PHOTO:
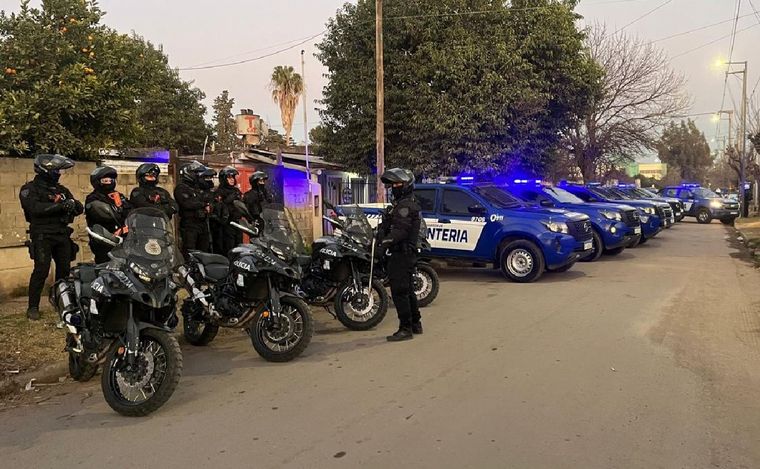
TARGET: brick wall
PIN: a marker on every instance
(15, 265)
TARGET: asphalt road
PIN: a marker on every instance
(649, 359)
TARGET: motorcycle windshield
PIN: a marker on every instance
(356, 225)
(280, 230)
(149, 246)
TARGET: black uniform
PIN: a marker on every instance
(227, 237)
(110, 215)
(400, 236)
(194, 206)
(48, 208)
(256, 199)
(154, 197)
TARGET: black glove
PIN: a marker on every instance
(70, 205)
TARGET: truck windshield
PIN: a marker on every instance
(703, 193)
(604, 193)
(562, 196)
(497, 197)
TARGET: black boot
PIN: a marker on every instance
(417, 328)
(33, 313)
(402, 334)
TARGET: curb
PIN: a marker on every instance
(48, 374)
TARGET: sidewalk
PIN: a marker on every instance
(29, 349)
(749, 232)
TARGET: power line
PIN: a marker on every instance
(701, 28)
(711, 42)
(239, 62)
(730, 55)
(644, 15)
(757, 15)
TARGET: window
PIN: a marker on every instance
(670, 192)
(457, 202)
(686, 194)
(426, 199)
(584, 196)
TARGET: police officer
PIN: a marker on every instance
(258, 196)
(48, 208)
(399, 236)
(227, 237)
(148, 194)
(194, 207)
(105, 206)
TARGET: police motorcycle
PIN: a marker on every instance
(120, 314)
(425, 279)
(250, 290)
(338, 272)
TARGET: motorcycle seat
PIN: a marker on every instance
(304, 260)
(208, 259)
(216, 272)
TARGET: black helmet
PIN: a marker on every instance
(51, 166)
(146, 169)
(206, 178)
(256, 177)
(100, 173)
(227, 172)
(394, 176)
(191, 172)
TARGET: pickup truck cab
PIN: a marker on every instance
(483, 223)
(651, 224)
(614, 226)
(644, 194)
(704, 204)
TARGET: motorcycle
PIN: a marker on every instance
(250, 290)
(425, 280)
(121, 315)
(338, 271)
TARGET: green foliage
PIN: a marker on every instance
(684, 148)
(462, 91)
(72, 85)
(224, 122)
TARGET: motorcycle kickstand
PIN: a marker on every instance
(330, 312)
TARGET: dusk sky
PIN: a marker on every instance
(200, 32)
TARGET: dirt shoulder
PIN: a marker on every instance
(27, 345)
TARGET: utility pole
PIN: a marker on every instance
(743, 136)
(380, 119)
(305, 121)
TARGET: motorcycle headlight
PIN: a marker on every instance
(141, 273)
(556, 227)
(611, 215)
(278, 252)
(716, 204)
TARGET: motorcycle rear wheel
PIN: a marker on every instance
(426, 284)
(160, 355)
(290, 339)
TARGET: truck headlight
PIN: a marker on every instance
(556, 227)
(647, 210)
(611, 215)
(716, 204)
(644, 218)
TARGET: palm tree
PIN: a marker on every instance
(287, 88)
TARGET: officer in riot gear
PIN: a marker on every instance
(107, 207)
(399, 236)
(258, 196)
(227, 237)
(49, 208)
(194, 206)
(148, 194)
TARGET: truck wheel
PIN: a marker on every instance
(521, 261)
(703, 216)
(597, 249)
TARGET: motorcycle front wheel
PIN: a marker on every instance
(363, 310)
(143, 387)
(287, 338)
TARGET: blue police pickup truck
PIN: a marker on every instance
(644, 194)
(483, 223)
(650, 213)
(704, 204)
(614, 226)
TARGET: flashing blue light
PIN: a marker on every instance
(691, 184)
(627, 186)
(528, 181)
(467, 178)
(594, 184)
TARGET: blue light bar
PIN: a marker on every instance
(691, 184)
(594, 184)
(528, 181)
